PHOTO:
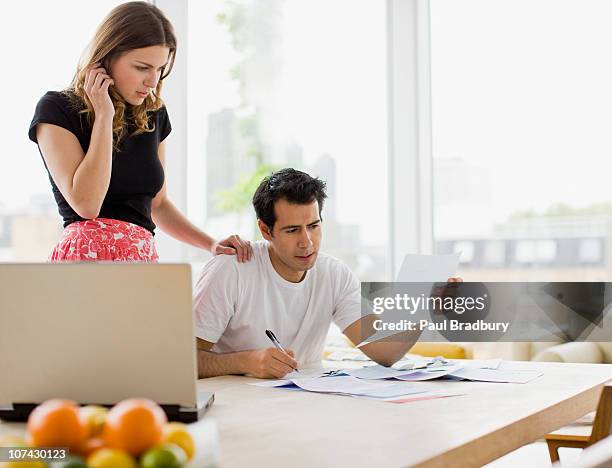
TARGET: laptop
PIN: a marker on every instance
(98, 333)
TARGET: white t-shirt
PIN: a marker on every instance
(235, 303)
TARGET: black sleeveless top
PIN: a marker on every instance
(137, 174)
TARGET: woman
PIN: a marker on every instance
(102, 142)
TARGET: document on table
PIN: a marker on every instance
(431, 373)
(348, 385)
(431, 395)
(375, 372)
(482, 371)
(380, 372)
(497, 375)
(484, 363)
(345, 385)
(349, 354)
(311, 373)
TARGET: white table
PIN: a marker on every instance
(275, 427)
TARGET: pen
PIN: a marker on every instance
(270, 334)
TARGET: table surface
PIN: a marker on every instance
(275, 427)
(257, 426)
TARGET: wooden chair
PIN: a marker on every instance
(601, 428)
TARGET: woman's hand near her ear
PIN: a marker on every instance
(96, 86)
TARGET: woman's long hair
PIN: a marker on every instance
(129, 26)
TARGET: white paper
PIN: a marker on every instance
(420, 269)
(428, 268)
(430, 395)
(429, 373)
(484, 364)
(304, 373)
(310, 372)
(341, 384)
(404, 364)
(348, 385)
(481, 371)
(394, 391)
(342, 355)
(375, 372)
(380, 372)
(271, 383)
(496, 375)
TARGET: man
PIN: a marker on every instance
(288, 287)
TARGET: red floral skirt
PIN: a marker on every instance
(102, 239)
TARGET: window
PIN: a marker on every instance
(288, 83)
(495, 253)
(590, 251)
(520, 124)
(535, 251)
(43, 42)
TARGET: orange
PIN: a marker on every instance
(56, 423)
(176, 433)
(134, 425)
(91, 445)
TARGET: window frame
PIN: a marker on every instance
(175, 97)
(410, 137)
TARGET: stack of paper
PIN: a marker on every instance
(375, 382)
(347, 385)
(496, 375)
(339, 383)
(489, 372)
(351, 386)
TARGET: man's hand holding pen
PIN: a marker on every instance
(270, 363)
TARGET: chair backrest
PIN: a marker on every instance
(603, 416)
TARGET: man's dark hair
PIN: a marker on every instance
(294, 186)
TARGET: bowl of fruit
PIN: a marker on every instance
(133, 433)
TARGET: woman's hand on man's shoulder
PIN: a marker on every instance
(233, 245)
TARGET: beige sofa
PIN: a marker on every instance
(586, 352)
(508, 351)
